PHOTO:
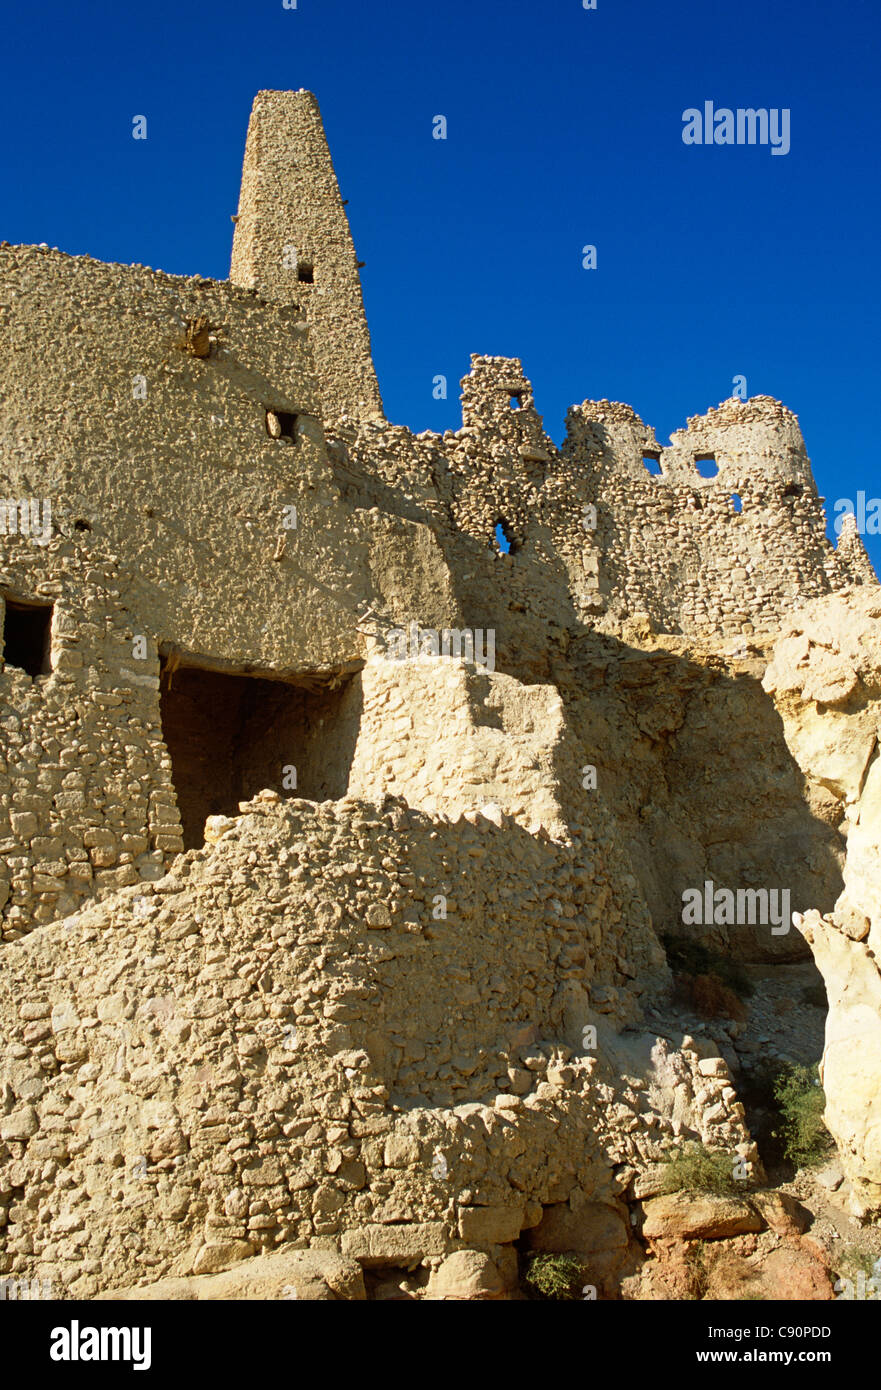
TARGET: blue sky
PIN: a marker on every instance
(564, 129)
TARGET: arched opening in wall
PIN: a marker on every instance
(27, 631)
(793, 490)
(706, 465)
(652, 464)
(736, 502)
(503, 538)
(230, 734)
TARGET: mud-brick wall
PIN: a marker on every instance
(715, 555)
(86, 800)
(451, 737)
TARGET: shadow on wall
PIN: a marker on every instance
(230, 735)
(693, 764)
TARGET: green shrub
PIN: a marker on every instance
(852, 1260)
(555, 1276)
(801, 1102)
(696, 1169)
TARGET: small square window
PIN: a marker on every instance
(516, 400)
(305, 272)
(281, 424)
(652, 463)
(26, 636)
(706, 465)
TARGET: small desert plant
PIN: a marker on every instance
(710, 983)
(555, 1276)
(801, 1102)
(696, 1169)
(712, 999)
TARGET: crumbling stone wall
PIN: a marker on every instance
(279, 1037)
(229, 1059)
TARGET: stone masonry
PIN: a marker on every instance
(302, 945)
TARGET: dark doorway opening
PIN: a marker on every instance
(26, 636)
(230, 736)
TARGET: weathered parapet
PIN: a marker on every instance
(718, 554)
(502, 454)
(757, 440)
(292, 243)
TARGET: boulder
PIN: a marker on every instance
(311, 1275)
(466, 1275)
(698, 1216)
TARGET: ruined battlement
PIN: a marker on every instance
(225, 502)
(306, 941)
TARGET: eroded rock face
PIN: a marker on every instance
(686, 1216)
(826, 680)
(851, 1066)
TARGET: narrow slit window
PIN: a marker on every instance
(737, 501)
(502, 538)
(26, 636)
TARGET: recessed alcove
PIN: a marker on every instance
(27, 631)
(232, 734)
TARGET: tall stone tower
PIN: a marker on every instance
(293, 245)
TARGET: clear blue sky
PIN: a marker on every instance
(564, 128)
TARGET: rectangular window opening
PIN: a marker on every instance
(652, 463)
(27, 629)
(231, 735)
(281, 424)
(516, 400)
(305, 272)
(706, 465)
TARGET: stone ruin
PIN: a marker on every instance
(338, 841)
